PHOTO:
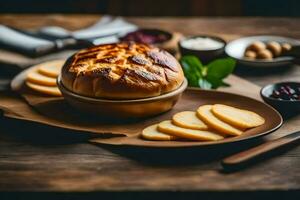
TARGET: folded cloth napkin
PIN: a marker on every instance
(23, 42)
(20, 49)
(53, 38)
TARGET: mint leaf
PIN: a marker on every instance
(215, 82)
(192, 78)
(225, 84)
(192, 61)
(220, 68)
(192, 69)
(206, 77)
(204, 84)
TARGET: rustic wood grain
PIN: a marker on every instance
(45, 159)
(31, 161)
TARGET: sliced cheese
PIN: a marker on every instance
(39, 79)
(151, 133)
(51, 68)
(205, 114)
(189, 119)
(169, 128)
(237, 117)
(52, 91)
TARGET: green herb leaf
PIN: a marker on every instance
(215, 82)
(194, 63)
(204, 84)
(192, 69)
(220, 68)
(206, 77)
(225, 84)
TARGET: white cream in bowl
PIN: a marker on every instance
(201, 43)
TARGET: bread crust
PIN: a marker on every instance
(122, 71)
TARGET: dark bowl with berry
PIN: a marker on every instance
(160, 38)
(147, 36)
(284, 97)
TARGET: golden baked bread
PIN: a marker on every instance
(122, 71)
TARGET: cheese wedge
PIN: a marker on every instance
(205, 114)
(169, 128)
(151, 133)
(39, 79)
(237, 117)
(188, 119)
(51, 68)
(52, 91)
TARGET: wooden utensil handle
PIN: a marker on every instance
(244, 157)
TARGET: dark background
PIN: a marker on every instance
(157, 7)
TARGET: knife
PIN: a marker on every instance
(244, 158)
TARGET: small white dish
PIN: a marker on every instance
(236, 49)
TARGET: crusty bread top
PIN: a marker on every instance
(122, 71)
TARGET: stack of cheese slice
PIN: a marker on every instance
(42, 77)
(208, 123)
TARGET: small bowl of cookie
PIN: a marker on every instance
(263, 51)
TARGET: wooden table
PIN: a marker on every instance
(44, 162)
